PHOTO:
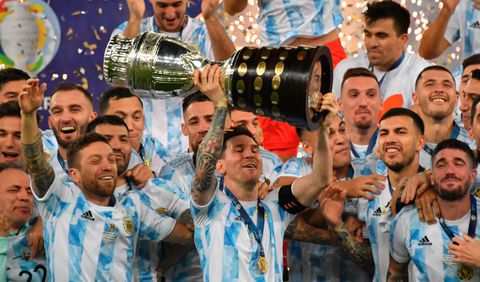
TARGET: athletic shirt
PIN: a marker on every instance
(396, 85)
(153, 153)
(227, 250)
(464, 26)
(425, 246)
(19, 266)
(280, 21)
(87, 242)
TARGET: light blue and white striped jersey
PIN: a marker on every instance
(87, 242)
(158, 195)
(365, 162)
(377, 215)
(271, 164)
(153, 153)
(20, 267)
(458, 132)
(425, 246)
(398, 83)
(280, 21)
(316, 262)
(464, 26)
(227, 250)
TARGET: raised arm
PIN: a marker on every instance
(30, 99)
(204, 182)
(222, 46)
(233, 7)
(433, 42)
(306, 189)
(136, 10)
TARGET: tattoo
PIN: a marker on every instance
(186, 219)
(360, 252)
(208, 153)
(299, 230)
(38, 167)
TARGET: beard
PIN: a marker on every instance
(63, 143)
(398, 166)
(453, 195)
(97, 189)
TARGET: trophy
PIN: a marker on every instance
(273, 82)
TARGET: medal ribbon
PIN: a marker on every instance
(453, 135)
(370, 147)
(256, 231)
(472, 226)
(394, 66)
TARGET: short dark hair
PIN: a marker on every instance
(395, 112)
(234, 132)
(77, 146)
(433, 67)
(116, 93)
(12, 74)
(10, 109)
(106, 119)
(455, 144)
(358, 72)
(194, 98)
(67, 86)
(12, 165)
(472, 60)
(380, 10)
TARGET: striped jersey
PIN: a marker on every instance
(281, 21)
(396, 86)
(153, 153)
(458, 132)
(464, 27)
(425, 246)
(19, 266)
(227, 250)
(87, 242)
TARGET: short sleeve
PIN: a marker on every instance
(60, 192)
(291, 168)
(162, 198)
(204, 214)
(272, 200)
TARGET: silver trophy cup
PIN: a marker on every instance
(273, 82)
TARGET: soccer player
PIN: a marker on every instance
(121, 102)
(386, 38)
(419, 252)
(161, 195)
(465, 99)
(435, 98)
(16, 207)
(228, 218)
(11, 83)
(10, 132)
(89, 233)
(458, 20)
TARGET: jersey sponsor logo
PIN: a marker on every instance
(424, 241)
(475, 25)
(88, 215)
(380, 211)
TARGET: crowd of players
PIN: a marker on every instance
(186, 189)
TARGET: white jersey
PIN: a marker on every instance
(86, 242)
(377, 215)
(281, 21)
(19, 265)
(425, 246)
(464, 26)
(458, 132)
(396, 86)
(227, 250)
(153, 153)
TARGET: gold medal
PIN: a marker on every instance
(262, 264)
(465, 272)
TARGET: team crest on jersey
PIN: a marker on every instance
(477, 193)
(111, 233)
(128, 225)
(161, 211)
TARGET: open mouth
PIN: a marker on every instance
(10, 155)
(106, 178)
(250, 166)
(67, 129)
(391, 149)
(439, 99)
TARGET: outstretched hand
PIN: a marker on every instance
(209, 81)
(31, 97)
(136, 9)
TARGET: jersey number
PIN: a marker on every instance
(39, 268)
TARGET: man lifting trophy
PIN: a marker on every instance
(274, 82)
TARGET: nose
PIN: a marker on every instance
(24, 195)
(169, 12)
(465, 103)
(10, 141)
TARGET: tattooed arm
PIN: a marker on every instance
(359, 250)
(209, 83)
(397, 272)
(300, 230)
(30, 99)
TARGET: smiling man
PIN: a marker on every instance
(11, 83)
(435, 98)
(386, 38)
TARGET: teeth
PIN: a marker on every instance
(438, 100)
(106, 178)
(8, 154)
(68, 129)
(391, 150)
